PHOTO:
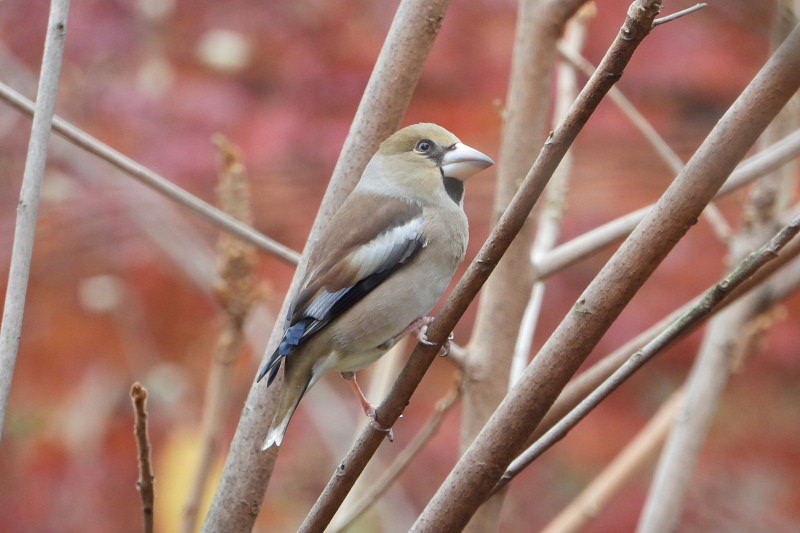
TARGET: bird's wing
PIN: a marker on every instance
(359, 250)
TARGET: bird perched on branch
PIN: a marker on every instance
(381, 265)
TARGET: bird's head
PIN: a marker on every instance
(424, 162)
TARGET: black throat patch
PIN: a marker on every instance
(454, 188)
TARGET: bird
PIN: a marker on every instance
(379, 267)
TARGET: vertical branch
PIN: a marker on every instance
(247, 470)
(145, 484)
(28, 208)
(235, 293)
(551, 211)
(483, 463)
(504, 299)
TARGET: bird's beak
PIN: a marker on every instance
(462, 162)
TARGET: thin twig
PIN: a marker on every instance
(145, 484)
(235, 292)
(28, 207)
(158, 183)
(401, 462)
(679, 14)
(751, 264)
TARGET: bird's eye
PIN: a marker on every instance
(424, 146)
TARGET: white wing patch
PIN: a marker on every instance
(387, 249)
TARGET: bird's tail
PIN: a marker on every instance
(290, 398)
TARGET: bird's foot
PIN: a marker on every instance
(422, 336)
(368, 408)
(374, 424)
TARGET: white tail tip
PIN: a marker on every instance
(274, 436)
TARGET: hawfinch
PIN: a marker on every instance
(381, 265)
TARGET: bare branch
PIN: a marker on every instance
(718, 223)
(28, 208)
(729, 338)
(679, 14)
(403, 459)
(150, 179)
(749, 266)
(779, 287)
(551, 211)
(481, 466)
(504, 299)
(145, 484)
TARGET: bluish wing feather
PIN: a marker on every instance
(372, 263)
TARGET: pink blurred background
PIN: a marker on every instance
(121, 278)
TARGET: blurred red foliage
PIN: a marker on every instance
(120, 287)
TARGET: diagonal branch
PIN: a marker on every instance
(594, 240)
(583, 384)
(403, 459)
(594, 498)
(150, 179)
(698, 312)
(667, 154)
(504, 299)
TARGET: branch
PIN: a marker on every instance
(551, 212)
(667, 154)
(403, 459)
(481, 466)
(729, 337)
(713, 298)
(593, 241)
(587, 381)
(146, 479)
(469, 285)
(150, 179)
(679, 14)
(247, 470)
(28, 207)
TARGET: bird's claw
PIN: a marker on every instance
(377, 427)
(374, 424)
(423, 338)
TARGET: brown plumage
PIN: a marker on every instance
(384, 261)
